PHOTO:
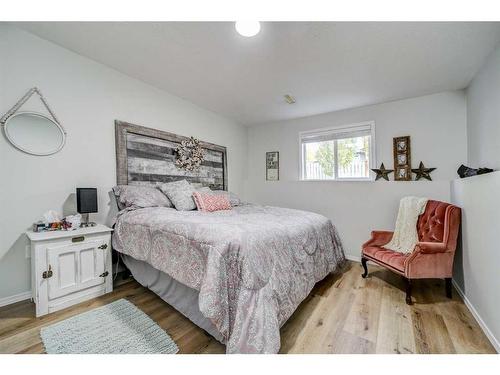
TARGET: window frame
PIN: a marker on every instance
(349, 128)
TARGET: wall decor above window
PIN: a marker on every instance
(402, 158)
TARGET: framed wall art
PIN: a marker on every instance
(402, 158)
(272, 166)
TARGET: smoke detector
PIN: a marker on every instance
(289, 99)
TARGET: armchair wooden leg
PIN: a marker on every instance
(408, 292)
(447, 285)
(363, 262)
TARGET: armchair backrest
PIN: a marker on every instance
(440, 222)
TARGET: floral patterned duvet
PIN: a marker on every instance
(252, 265)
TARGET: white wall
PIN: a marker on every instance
(477, 261)
(87, 97)
(483, 115)
(437, 126)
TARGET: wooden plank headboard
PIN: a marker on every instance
(147, 156)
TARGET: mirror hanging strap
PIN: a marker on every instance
(23, 100)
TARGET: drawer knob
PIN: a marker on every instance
(104, 274)
(103, 247)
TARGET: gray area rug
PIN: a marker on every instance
(117, 328)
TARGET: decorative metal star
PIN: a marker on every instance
(382, 172)
(423, 172)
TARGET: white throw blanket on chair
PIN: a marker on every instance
(405, 235)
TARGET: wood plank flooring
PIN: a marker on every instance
(343, 314)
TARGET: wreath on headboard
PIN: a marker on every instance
(189, 154)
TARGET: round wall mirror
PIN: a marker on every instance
(34, 133)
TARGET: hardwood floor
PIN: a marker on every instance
(343, 314)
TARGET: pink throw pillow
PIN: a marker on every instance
(211, 202)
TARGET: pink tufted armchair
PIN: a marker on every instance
(432, 257)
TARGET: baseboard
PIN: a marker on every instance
(354, 258)
(15, 298)
(480, 321)
(357, 259)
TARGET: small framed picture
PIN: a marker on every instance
(402, 158)
(402, 173)
(272, 166)
(401, 146)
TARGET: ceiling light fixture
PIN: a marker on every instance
(289, 99)
(247, 28)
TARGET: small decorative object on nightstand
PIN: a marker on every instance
(68, 267)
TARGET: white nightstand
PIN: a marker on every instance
(68, 267)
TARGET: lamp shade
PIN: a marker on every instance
(86, 200)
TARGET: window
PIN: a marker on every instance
(343, 153)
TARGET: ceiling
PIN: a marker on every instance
(325, 66)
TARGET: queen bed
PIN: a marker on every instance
(239, 274)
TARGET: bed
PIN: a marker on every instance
(239, 274)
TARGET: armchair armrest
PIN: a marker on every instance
(431, 247)
(379, 238)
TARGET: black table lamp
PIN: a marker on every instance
(86, 203)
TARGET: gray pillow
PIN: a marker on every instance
(138, 196)
(233, 198)
(204, 189)
(180, 194)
